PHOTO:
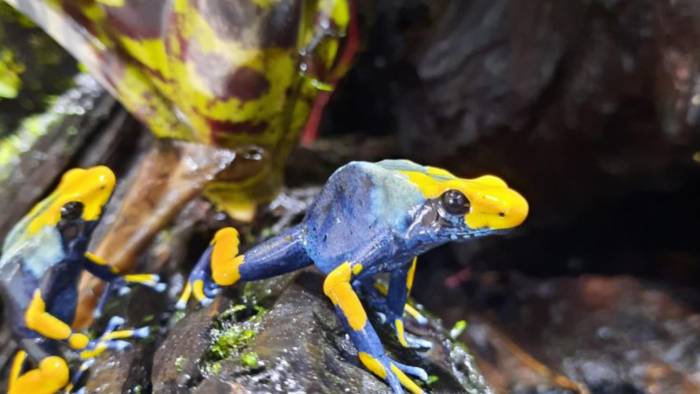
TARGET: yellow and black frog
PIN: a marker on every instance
(42, 259)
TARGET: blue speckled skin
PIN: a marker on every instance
(368, 214)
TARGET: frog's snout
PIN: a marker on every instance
(495, 206)
(515, 209)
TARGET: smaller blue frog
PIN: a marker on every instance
(42, 259)
(369, 218)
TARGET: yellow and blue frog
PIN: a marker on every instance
(369, 218)
(42, 259)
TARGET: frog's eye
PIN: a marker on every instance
(455, 202)
(72, 210)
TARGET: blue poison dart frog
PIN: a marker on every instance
(369, 218)
(42, 259)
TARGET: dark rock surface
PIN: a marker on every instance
(296, 346)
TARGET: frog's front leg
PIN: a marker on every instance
(99, 267)
(116, 281)
(338, 286)
(51, 375)
(391, 303)
(38, 319)
(400, 284)
(222, 265)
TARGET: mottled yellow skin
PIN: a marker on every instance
(229, 73)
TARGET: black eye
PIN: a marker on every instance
(72, 210)
(454, 202)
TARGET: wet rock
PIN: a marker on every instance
(176, 362)
(297, 345)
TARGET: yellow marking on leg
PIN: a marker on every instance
(398, 323)
(141, 278)
(78, 341)
(381, 288)
(51, 376)
(406, 381)
(411, 274)
(95, 259)
(16, 369)
(357, 268)
(225, 261)
(185, 296)
(37, 319)
(119, 334)
(99, 261)
(337, 288)
(413, 312)
(372, 364)
(99, 349)
(198, 290)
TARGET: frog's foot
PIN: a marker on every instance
(198, 288)
(122, 286)
(415, 314)
(149, 280)
(51, 376)
(418, 343)
(113, 338)
(394, 373)
(407, 340)
(217, 267)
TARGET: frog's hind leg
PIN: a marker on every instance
(222, 265)
(339, 287)
(51, 376)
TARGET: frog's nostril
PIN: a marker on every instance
(502, 214)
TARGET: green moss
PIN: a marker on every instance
(250, 360)
(10, 71)
(458, 329)
(233, 331)
(213, 368)
(180, 364)
(177, 316)
(229, 341)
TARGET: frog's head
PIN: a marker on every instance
(456, 208)
(80, 196)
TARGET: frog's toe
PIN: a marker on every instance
(413, 371)
(205, 301)
(394, 373)
(142, 332)
(117, 344)
(382, 317)
(212, 290)
(415, 314)
(114, 323)
(417, 343)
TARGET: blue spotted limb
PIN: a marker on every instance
(222, 265)
(338, 286)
